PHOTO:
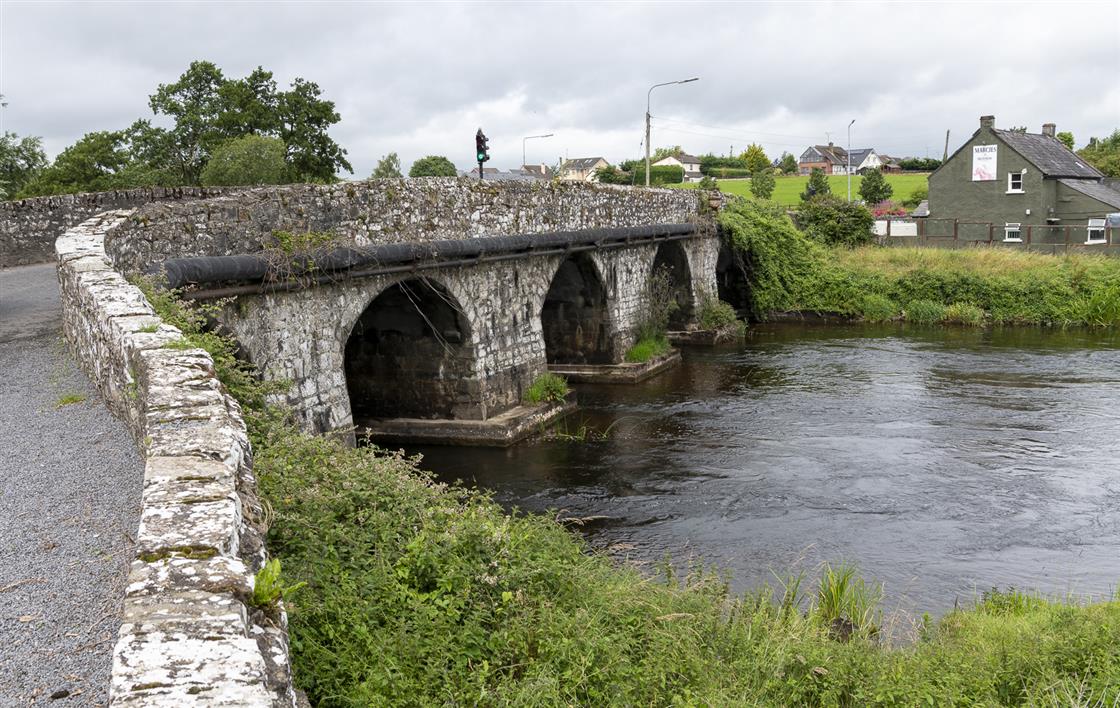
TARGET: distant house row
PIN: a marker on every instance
(582, 169)
(835, 160)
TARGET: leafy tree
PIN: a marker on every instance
(874, 188)
(98, 162)
(788, 164)
(1066, 138)
(304, 119)
(710, 162)
(916, 197)
(755, 158)
(1104, 154)
(20, 160)
(818, 185)
(708, 183)
(248, 160)
(662, 152)
(762, 184)
(836, 222)
(433, 166)
(611, 175)
(388, 166)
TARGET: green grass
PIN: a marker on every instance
(69, 399)
(787, 190)
(648, 348)
(547, 388)
(790, 272)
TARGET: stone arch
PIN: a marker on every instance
(575, 318)
(410, 355)
(672, 259)
(732, 285)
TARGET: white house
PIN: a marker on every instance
(865, 159)
(582, 169)
(690, 163)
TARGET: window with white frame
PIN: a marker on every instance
(1094, 232)
(1013, 233)
(1014, 182)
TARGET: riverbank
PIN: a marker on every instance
(420, 593)
(788, 271)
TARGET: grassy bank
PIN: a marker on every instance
(969, 286)
(422, 594)
(788, 189)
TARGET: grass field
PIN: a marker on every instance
(787, 191)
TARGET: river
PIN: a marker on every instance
(942, 461)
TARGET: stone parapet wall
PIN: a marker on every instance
(387, 211)
(29, 227)
(190, 635)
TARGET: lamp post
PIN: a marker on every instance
(530, 137)
(651, 88)
(850, 159)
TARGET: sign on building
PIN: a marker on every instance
(984, 163)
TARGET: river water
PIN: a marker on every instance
(941, 461)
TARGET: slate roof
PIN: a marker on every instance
(922, 209)
(683, 157)
(858, 156)
(1047, 154)
(582, 163)
(832, 153)
(1097, 190)
(539, 171)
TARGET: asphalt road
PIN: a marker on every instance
(70, 482)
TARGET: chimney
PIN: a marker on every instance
(987, 122)
(830, 143)
(1048, 129)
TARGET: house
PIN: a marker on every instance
(690, 163)
(830, 159)
(541, 171)
(864, 159)
(496, 175)
(582, 169)
(1014, 179)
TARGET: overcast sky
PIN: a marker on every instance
(419, 79)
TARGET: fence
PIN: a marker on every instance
(955, 233)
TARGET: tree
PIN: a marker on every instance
(248, 160)
(433, 166)
(874, 188)
(662, 152)
(762, 184)
(1104, 154)
(96, 163)
(836, 222)
(818, 185)
(1066, 139)
(755, 158)
(388, 166)
(611, 175)
(20, 160)
(788, 164)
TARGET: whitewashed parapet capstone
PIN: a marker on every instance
(189, 635)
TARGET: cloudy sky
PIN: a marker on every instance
(419, 78)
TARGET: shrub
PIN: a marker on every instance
(433, 166)
(716, 314)
(924, 311)
(964, 313)
(916, 197)
(878, 308)
(728, 172)
(647, 348)
(658, 174)
(762, 184)
(708, 182)
(817, 186)
(873, 188)
(248, 160)
(547, 388)
(835, 222)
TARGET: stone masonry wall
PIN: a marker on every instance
(387, 211)
(29, 227)
(189, 634)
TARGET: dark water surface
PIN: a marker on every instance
(941, 461)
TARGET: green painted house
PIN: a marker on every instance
(1013, 186)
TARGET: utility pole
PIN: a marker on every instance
(651, 88)
(850, 159)
(945, 156)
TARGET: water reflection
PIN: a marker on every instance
(941, 460)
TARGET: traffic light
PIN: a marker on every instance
(481, 147)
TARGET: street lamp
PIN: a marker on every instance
(530, 137)
(850, 159)
(651, 88)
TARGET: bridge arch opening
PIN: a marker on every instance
(673, 262)
(574, 317)
(732, 284)
(410, 355)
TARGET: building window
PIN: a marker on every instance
(1014, 182)
(1095, 232)
(1012, 233)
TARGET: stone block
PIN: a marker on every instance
(177, 575)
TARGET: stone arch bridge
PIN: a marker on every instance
(438, 299)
